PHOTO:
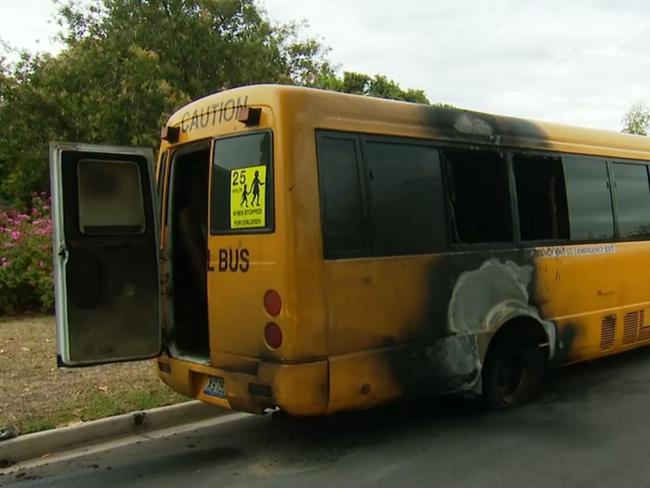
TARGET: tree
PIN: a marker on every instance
(27, 123)
(128, 64)
(637, 119)
(362, 84)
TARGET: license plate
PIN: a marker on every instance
(215, 387)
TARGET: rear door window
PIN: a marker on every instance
(242, 184)
(110, 197)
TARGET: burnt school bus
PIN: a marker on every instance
(315, 251)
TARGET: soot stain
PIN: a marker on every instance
(445, 355)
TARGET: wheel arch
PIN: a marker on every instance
(542, 332)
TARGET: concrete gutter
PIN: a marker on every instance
(39, 444)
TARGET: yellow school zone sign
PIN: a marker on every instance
(248, 197)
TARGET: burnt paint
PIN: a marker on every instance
(484, 129)
(443, 359)
(432, 364)
(566, 336)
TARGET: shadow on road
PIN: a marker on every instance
(570, 392)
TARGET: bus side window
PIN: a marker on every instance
(632, 199)
(407, 209)
(589, 199)
(541, 197)
(478, 196)
(343, 215)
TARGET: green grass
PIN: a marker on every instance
(97, 405)
(35, 395)
(38, 424)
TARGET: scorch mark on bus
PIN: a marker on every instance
(472, 312)
(471, 124)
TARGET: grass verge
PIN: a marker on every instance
(38, 396)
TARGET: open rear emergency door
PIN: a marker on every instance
(105, 254)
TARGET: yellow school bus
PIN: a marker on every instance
(315, 251)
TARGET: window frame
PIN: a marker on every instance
(161, 180)
(612, 189)
(401, 141)
(508, 153)
(361, 139)
(168, 182)
(607, 162)
(270, 174)
(514, 224)
(526, 243)
(140, 184)
(365, 251)
(529, 244)
(611, 182)
(160, 171)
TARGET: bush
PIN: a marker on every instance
(26, 258)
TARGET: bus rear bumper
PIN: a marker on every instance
(298, 389)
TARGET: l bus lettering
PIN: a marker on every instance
(234, 260)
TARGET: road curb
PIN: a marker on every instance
(38, 444)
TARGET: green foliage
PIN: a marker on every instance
(126, 66)
(26, 259)
(362, 84)
(637, 119)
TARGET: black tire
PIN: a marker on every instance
(513, 372)
(280, 416)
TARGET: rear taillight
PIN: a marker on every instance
(272, 303)
(273, 335)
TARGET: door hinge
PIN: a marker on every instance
(63, 252)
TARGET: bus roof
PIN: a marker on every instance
(345, 112)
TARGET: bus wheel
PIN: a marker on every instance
(513, 371)
(280, 415)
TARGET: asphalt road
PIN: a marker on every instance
(591, 428)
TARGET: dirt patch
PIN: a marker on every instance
(37, 396)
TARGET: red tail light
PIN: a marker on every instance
(272, 303)
(273, 335)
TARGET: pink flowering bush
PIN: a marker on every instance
(26, 258)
